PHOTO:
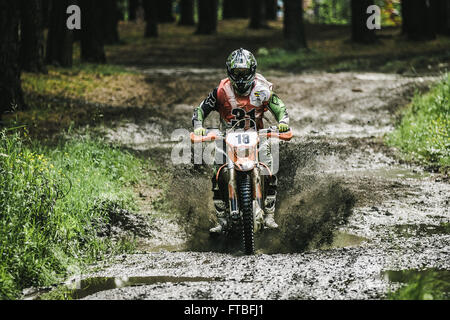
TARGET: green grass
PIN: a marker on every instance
(71, 97)
(282, 59)
(70, 82)
(52, 202)
(351, 58)
(423, 134)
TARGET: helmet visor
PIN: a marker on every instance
(241, 73)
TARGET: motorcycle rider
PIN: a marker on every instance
(243, 94)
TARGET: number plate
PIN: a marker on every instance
(242, 139)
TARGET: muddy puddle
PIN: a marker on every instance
(79, 289)
(272, 245)
(345, 240)
(390, 173)
(267, 243)
(422, 230)
(84, 288)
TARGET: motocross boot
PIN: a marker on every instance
(269, 221)
(219, 228)
(270, 202)
(220, 207)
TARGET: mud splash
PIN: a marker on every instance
(191, 194)
(309, 218)
(421, 230)
(310, 207)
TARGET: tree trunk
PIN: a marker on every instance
(132, 9)
(59, 39)
(406, 13)
(258, 14)
(271, 9)
(151, 18)
(31, 36)
(187, 13)
(10, 84)
(110, 21)
(207, 16)
(227, 9)
(164, 9)
(360, 32)
(294, 30)
(442, 8)
(122, 10)
(420, 19)
(92, 49)
(46, 5)
(233, 9)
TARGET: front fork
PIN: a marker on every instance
(258, 206)
(232, 194)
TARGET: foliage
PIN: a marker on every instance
(338, 12)
(49, 209)
(421, 285)
(390, 12)
(424, 131)
(328, 12)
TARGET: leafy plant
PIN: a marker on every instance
(49, 199)
(431, 284)
(423, 134)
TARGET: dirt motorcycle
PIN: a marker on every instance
(242, 172)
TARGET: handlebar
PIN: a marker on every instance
(268, 133)
(285, 136)
(211, 136)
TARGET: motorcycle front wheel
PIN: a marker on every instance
(246, 206)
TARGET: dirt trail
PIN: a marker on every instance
(339, 119)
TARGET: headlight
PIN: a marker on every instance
(247, 165)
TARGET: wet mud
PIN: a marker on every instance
(348, 209)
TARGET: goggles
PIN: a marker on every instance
(241, 73)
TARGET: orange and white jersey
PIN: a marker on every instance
(233, 107)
